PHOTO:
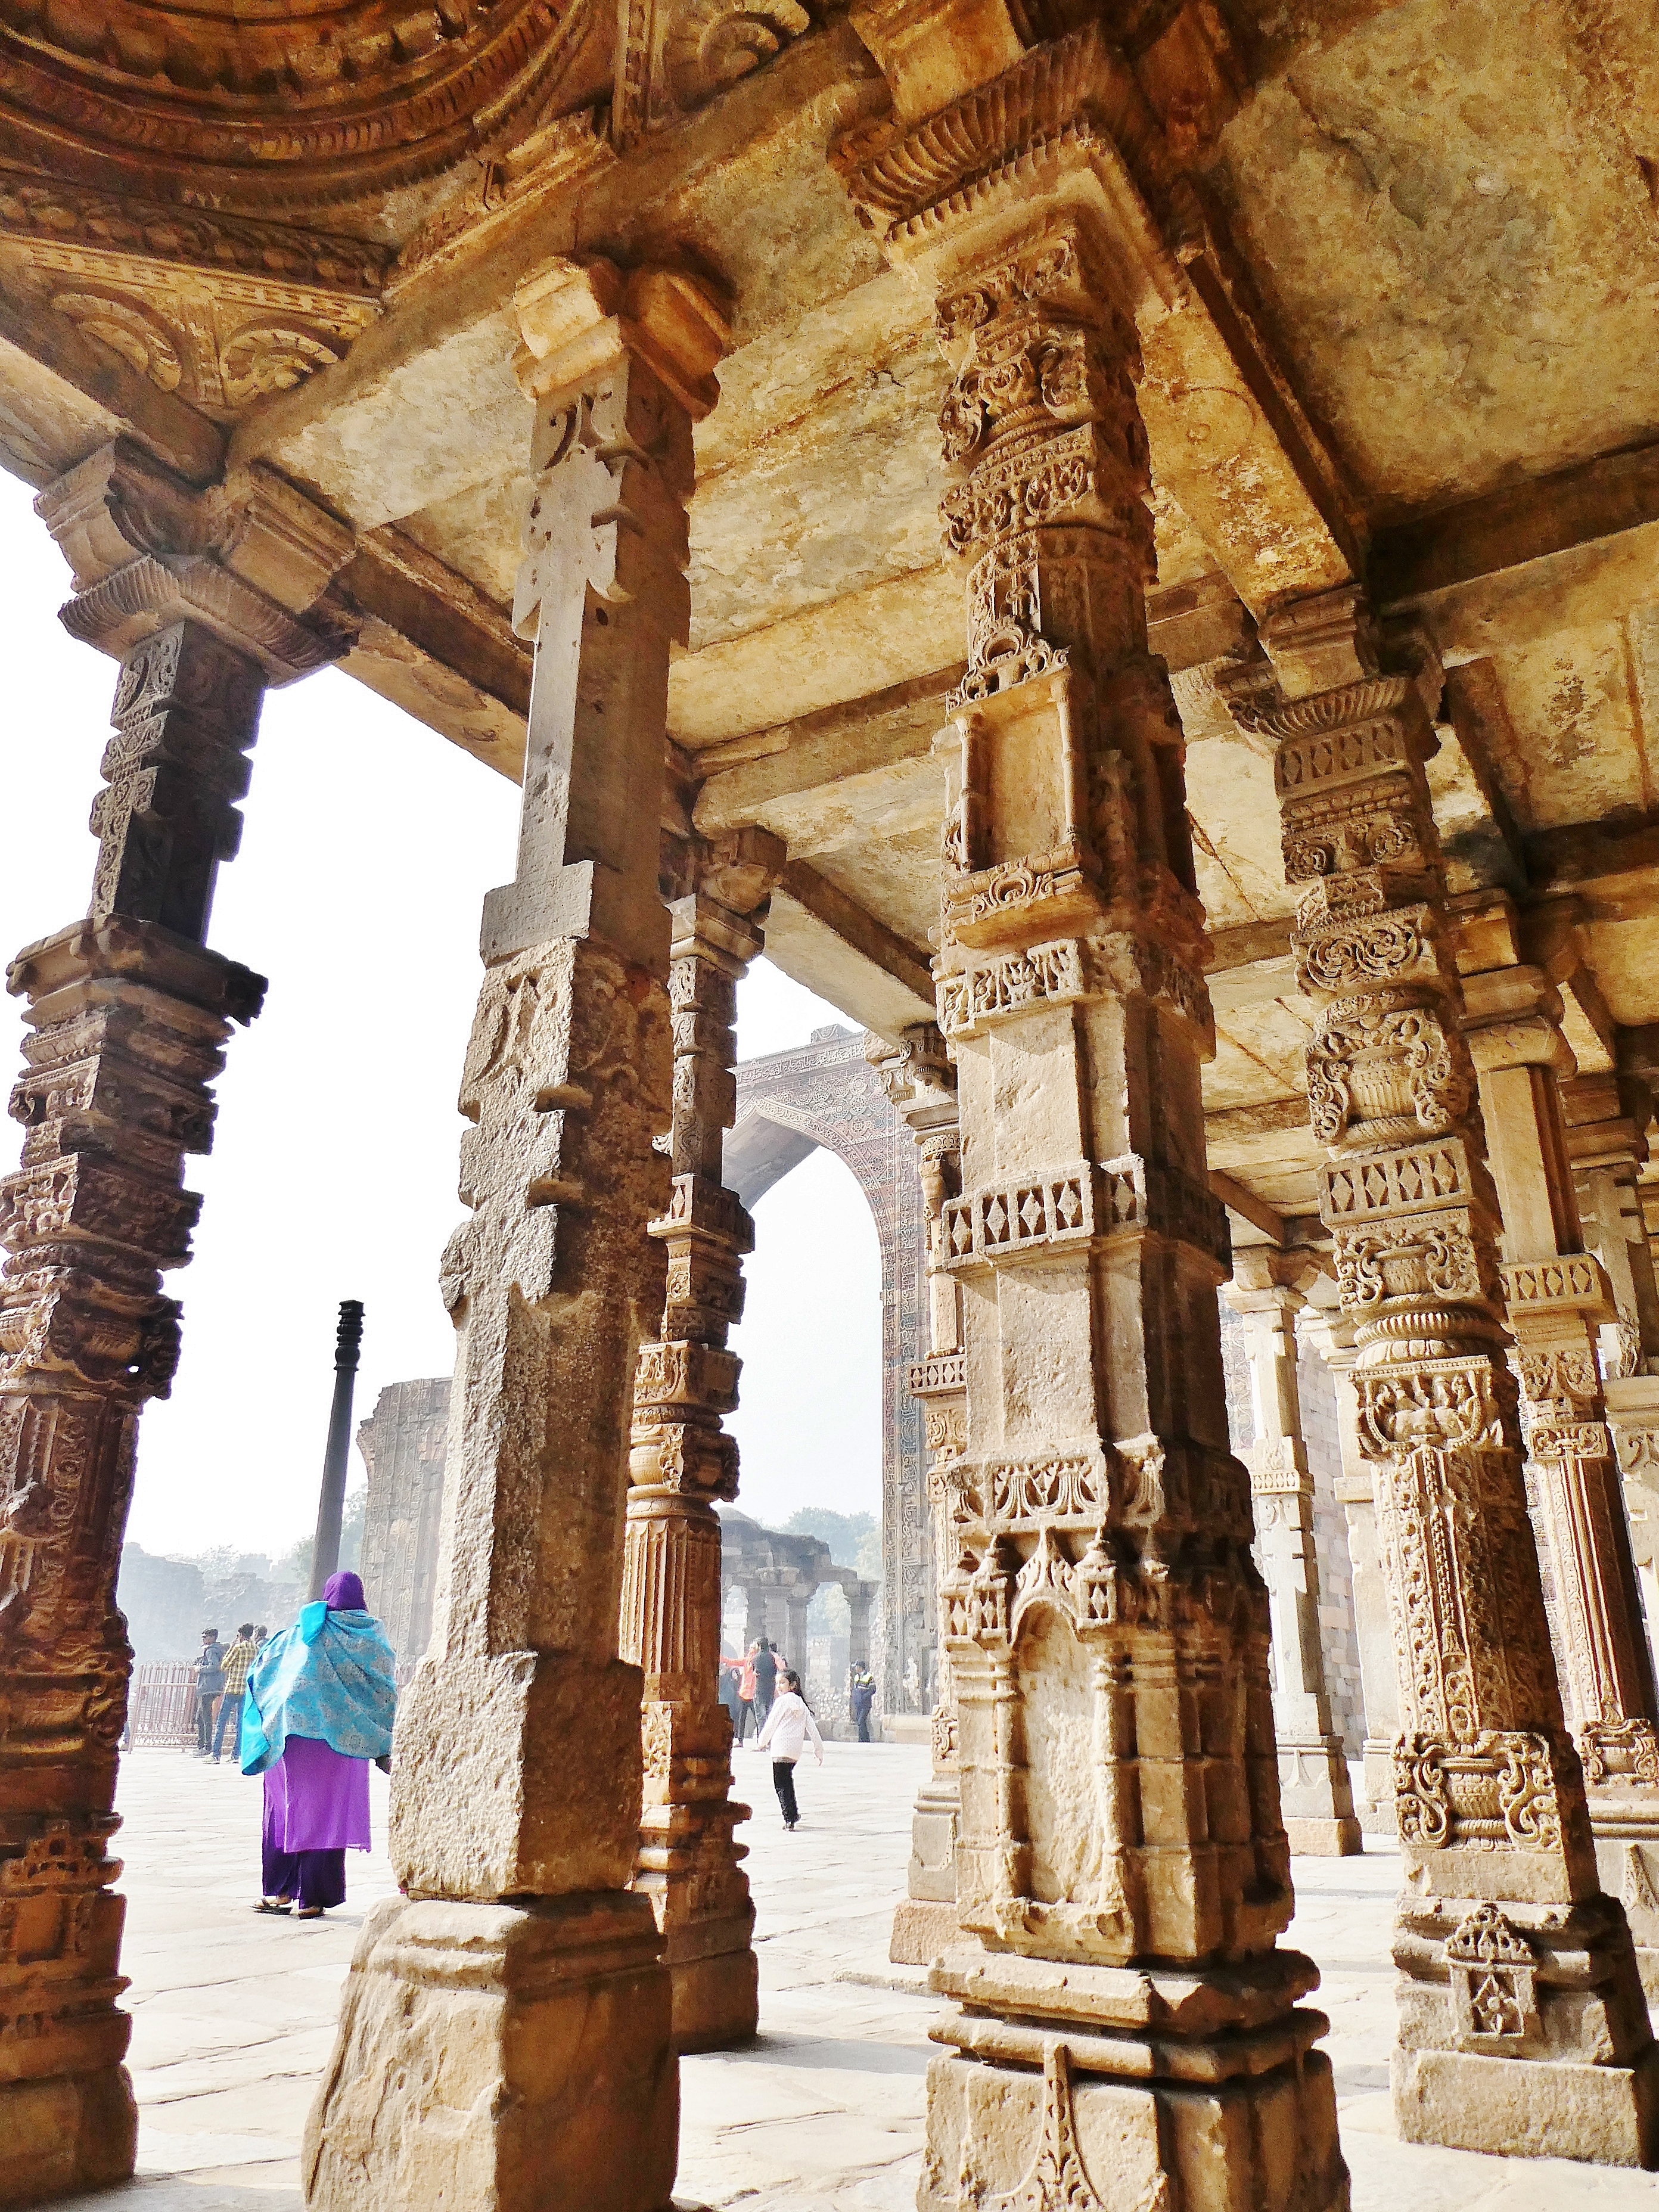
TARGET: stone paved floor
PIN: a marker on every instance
(234, 2015)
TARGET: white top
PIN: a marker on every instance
(787, 1727)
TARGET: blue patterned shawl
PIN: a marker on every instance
(332, 1676)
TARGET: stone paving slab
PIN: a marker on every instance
(234, 2013)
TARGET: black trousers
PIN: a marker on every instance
(205, 1709)
(861, 1715)
(311, 1877)
(783, 1781)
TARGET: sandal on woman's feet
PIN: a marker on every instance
(274, 1904)
(309, 1912)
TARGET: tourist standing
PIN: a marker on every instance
(788, 1726)
(209, 1683)
(727, 1690)
(863, 1685)
(238, 1660)
(320, 1702)
(746, 1692)
(766, 1679)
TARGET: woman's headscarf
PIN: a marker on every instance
(332, 1676)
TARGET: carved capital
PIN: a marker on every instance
(578, 321)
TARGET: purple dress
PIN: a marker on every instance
(316, 1811)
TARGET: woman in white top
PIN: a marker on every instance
(788, 1725)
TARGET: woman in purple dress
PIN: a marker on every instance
(320, 1702)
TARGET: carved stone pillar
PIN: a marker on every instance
(129, 1014)
(690, 1866)
(1334, 1335)
(516, 1792)
(1523, 2024)
(1607, 1116)
(1313, 1788)
(920, 1079)
(1126, 2030)
(860, 1596)
(795, 1642)
(1560, 1305)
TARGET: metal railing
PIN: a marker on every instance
(161, 1706)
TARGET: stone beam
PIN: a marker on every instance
(1559, 552)
(430, 642)
(64, 393)
(1249, 1207)
(830, 944)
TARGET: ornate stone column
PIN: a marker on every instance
(1106, 1625)
(1334, 1334)
(690, 1866)
(1314, 1787)
(129, 1014)
(1523, 2025)
(860, 1596)
(921, 1080)
(1560, 1302)
(508, 2017)
(1607, 1116)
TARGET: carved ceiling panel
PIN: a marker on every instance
(279, 104)
(219, 309)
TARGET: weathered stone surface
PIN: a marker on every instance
(490, 2054)
(1490, 1792)
(128, 1015)
(518, 1766)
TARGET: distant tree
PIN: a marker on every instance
(846, 1534)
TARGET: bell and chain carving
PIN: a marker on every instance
(522, 1894)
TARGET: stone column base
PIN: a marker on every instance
(1334, 1837)
(1377, 1811)
(1522, 2029)
(1190, 2087)
(500, 2058)
(1627, 1860)
(66, 2132)
(1316, 1798)
(715, 1998)
(1516, 2108)
(922, 1929)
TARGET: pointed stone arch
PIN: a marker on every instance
(789, 1103)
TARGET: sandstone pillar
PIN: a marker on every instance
(860, 1596)
(504, 2038)
(1334, 1334)
(1559, 1306)
(921, 1080)
(690, 1865)
(128, 1015)
(1313, 1788)
(1523, 2024)
(1105, 1623)
(1607, 1116)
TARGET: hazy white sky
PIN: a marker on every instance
(369, 843)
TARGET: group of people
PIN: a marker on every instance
(221, 1686)
(312, 1706)
(750, 1690)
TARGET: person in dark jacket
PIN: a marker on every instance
(209, 1687)
(766, 1679)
